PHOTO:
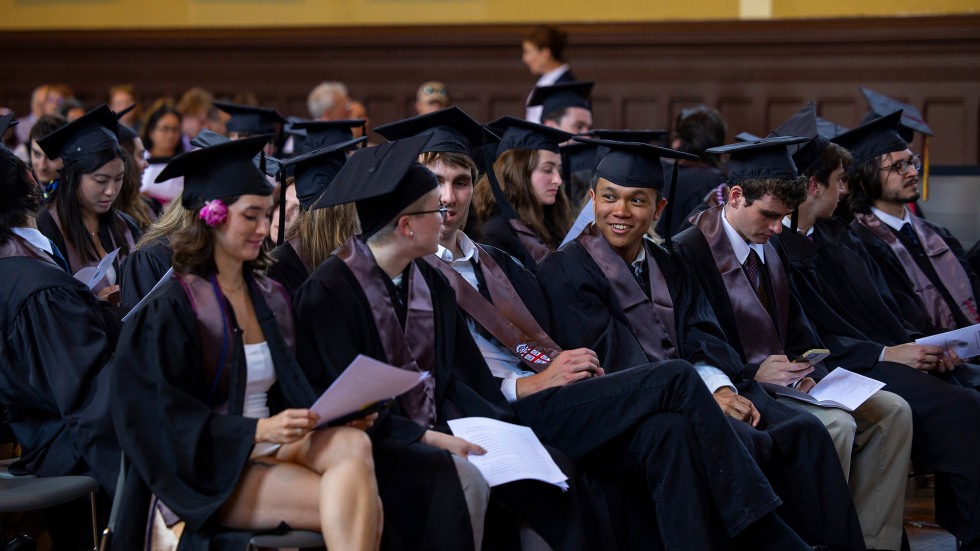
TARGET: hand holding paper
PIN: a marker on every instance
(513, 452)
(91, 276)
(841, 389)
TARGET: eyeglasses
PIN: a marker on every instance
(429, 90)
(902, 167)
(442, 210)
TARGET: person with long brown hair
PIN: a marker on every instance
(318, 232)
(81, 217)
(207, 361)
(530, 179)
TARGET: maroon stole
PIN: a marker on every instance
(652, 322)
(413, 348)
(18, 246)
(535, 246)
(215, 329)
(507, 318)
(757, 333)
(943, 260)
(298, 249)
(75, 259)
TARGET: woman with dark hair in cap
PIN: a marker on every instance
(54, 376)
(530, 174)
(81, 217)
(208, 362)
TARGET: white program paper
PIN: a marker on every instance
(513, 452)
(585, 217)
(156, 286)
(92, 275)
(965, 341)
(841, 389)
(364, 382)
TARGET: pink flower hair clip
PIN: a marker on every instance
(213, 212)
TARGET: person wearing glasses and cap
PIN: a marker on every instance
(208, 362)
(923, 263)
(845, 296)
(748, 286)
(55, 369)
(614, 291)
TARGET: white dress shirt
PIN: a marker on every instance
(534, 114)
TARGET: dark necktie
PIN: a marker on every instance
(56, 255)
(751, 268)
(910, 234)
(640, 275)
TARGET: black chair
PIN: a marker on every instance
(28, 493)
(301, 539)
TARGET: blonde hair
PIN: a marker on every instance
(321, 231)
(170, 220)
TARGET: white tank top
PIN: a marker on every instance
(261, 375)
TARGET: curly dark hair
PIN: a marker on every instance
(193, 246)
(789, 192)
(700, 128)
(20, 197)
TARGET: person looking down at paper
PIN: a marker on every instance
(746, 283)
(54, 377)
(844, 294)
(80, 217)
(634, 302)
(209, 402)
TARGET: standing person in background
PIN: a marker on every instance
(329, 101)
(544, 54)
(23, 128)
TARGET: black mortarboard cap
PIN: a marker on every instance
(124, 133)
(449, 130)
(767, 158)
(873, 138)
(561, 96)
(321, 134)
(6, 122)
(208, 138)
(634, 164)
(581, 156)
(746, 137)
(521, 134)
(381, 181)
(804, 124)
(881, 105)
(640, 136)
(219, 171)
(314, 171)
(829, 129)
(250, 120)
(93, 131)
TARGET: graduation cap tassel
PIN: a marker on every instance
(925, 168)
(794, 219)
(282, 208)
(566, 171)
(503, 205)
(364, 134)
(668, 214)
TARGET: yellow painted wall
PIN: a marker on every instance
(134, 14)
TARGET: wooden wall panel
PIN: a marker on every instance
(756, 72)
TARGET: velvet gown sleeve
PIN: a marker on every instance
(55, 373)
(190, 456)
(141, 270)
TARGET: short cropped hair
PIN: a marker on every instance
(549, 37)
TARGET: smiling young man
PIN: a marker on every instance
(746, 282)
(923, 264)
(634, 302)
(845, 296)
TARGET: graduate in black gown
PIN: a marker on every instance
(79, 216)
(652, 309)
(924, 265)
(748, 285)
(844, 295)
(315, 233)
(54, 376)
(383, 304)
(210, 404)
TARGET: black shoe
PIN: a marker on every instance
(20, 542)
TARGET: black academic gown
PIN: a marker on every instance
(411, 474)
(974, 257)
(54, 373)
(50, 229)
(693, 183)
(901, 286)
(288, 270)
(791, 446)
(142, 269)
(839, 293)
(498, 233)
(179, 447)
